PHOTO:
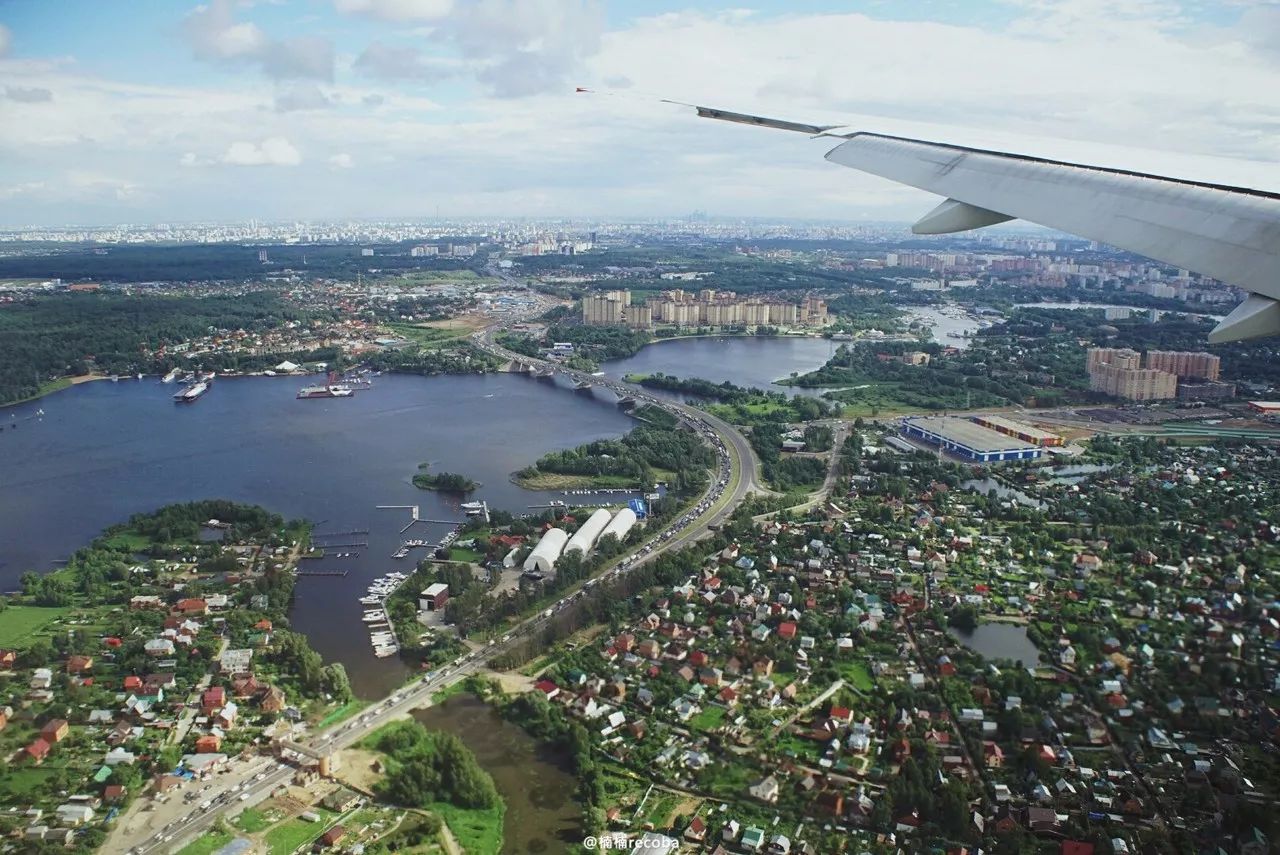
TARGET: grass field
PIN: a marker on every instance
(19, 623)
(556, 481)
(479, 832)
(709, 719)
(208, 843)
(857, 675)
(289, 835)
(342, 713)
(129, 540)
(252, 820)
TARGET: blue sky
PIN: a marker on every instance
(313, 109)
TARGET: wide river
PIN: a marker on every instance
(103, 451)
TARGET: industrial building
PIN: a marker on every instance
(620, 524)
(543, 557)
(434, 597)
(1018, 430)
(966, 439)
(584, 539)
(1266, 408)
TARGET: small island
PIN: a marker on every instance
(448, 482)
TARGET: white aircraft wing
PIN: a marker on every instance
(1231, 233)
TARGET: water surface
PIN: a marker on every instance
(103, 451)
(543, 814)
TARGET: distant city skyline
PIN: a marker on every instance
(331, 110)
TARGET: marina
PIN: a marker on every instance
(381, 634)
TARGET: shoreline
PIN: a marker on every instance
(56, 386)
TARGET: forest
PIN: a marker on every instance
(426, 766)
(47, 337)
(635, 456)
(450, 482)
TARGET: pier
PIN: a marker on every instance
(338, 573)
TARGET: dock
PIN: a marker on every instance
(338, 573)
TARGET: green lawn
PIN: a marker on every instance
(458, 553)
(208, 843)
(857, 675)
(21, 782)
(479, 832)
(709, 719)
(289, 835)
(19, 623)
(130, 540)
(252, 820)
(342, 713)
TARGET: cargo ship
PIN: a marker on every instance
(332, 389)
(194, 390)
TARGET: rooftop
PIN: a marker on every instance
(970, 435)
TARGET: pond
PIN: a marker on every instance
(1000, 641)
(543, 813)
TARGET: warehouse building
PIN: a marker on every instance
(1018, 430)
(544, 555)
(585, 538)
(966, 439)
(620, 524)
(434, 597)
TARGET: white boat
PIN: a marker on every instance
(171, 376)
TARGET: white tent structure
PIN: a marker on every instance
(585, 538)
(620, 524)
(544, 555)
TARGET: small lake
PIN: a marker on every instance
(751, 361)
(986, 485)
(1000, 641)
(543, 813)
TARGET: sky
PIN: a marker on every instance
(170, 111)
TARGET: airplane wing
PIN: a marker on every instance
(1230, 233)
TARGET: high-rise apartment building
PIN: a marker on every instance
(1201, 365)
(1134, 384)
(1120, 357)
(605, 308)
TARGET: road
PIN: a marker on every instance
(156, 827)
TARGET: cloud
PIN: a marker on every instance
(5, 39)
(396, 10)
(28, 94)
(215, 36)
(302, 97)
(341, 160)
(373, 100)
(273, 151)
(514, 48)
(389, 62)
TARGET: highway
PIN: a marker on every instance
(169, 825)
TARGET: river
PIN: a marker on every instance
(103, 451)
(751, 361)
(534, 780)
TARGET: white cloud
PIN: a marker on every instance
(273, 151)
(514, 48)
(5, 39)
(1152, 81)
(341, 160)
(28, 94)
(215, 36)
(302, 97)
(394, 62)
(397, 10)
